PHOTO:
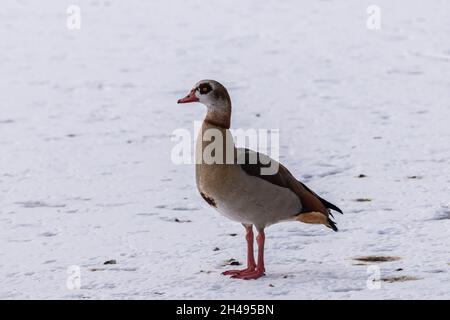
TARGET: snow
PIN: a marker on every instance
(86, 118)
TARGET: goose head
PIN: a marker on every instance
(216, 99)
(208, 92)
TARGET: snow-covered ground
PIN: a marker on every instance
(86, 118)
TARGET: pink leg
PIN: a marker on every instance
(251, 265)
(259, 271)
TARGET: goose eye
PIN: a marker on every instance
(205, 88)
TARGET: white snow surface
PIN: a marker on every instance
(86, 118)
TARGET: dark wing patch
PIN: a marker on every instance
(252, 165)
(332, 225)
(283, 178)
(327, 204)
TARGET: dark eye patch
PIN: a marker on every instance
(205, 88)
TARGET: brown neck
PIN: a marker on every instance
(219, 117)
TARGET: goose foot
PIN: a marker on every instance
(256, 274)
(253, 270)
(238, 272)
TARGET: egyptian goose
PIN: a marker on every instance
(239, 189)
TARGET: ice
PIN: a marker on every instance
(86, 118)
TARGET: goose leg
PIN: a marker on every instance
(259, 270)
(251, 264)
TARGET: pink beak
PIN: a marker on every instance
(189, 98)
